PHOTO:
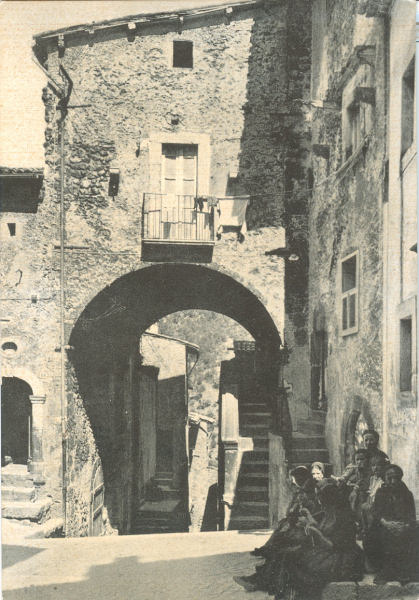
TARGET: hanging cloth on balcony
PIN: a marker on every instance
(232, 213)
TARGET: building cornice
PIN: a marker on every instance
(137, 21)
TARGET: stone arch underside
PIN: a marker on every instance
(104, 356)
(142, 297)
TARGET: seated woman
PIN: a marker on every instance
(356, 481)
(394, 518)
(370, 535)
(332, 555)
(304, 496)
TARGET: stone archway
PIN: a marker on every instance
(31, 398)
(104, 364)
(359, 420)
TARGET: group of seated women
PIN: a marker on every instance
(319, 540)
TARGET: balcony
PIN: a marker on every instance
(177, 228)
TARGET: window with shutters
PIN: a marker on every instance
(179, 169)
(349, 294)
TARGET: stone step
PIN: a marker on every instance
(260, 454)
(253, 418)
(310, 427)
(366, 590)
(305, 455)
(247, 522)
(166, 481)
(261, 466)
(301, 440)
(34, 511)
(255, 426)
(170, 493)
(250, 493)
(258, 508)
(19, 494)
(16, 475)
(250, 406)
(258, 479)
(318, 415)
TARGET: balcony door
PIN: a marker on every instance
(179, 188)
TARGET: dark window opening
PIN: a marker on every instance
(12, 229)
(406, 355)
(318, 359)
(408, 106)
(349, 274)
(183, 54)
(349, 295)
(353, 138)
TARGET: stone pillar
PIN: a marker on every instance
(37, 425)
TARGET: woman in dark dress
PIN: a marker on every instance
(287, 532)
(394, 528)
(331, 555)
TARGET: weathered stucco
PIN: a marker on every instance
(345, 216)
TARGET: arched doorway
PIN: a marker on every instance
(107, 371)
(15, 420)
(356, 425)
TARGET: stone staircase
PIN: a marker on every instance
(251, 506)
(21, 499)
(308, 442)
(165, 513)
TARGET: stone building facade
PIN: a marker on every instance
(362, 227)
(208, 107)
(189, 159)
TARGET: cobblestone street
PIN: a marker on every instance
(170, 567)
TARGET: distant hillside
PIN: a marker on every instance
(214, 334)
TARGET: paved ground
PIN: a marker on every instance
(178, 566)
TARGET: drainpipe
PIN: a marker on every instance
(62, 329)
(385, 216)
(63, 107)
(59, 90)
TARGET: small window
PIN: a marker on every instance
(353, 139)
(349, 298)
(406, 355)
(12, 229)
(408, 106)
(183, 54)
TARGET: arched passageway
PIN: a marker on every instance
(15, 420)
(107, 376)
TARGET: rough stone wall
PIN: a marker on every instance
(239, 93)
(29, 306)
(345, 215)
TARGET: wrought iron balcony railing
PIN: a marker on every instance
(174, 218)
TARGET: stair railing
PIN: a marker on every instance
(229, 455)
